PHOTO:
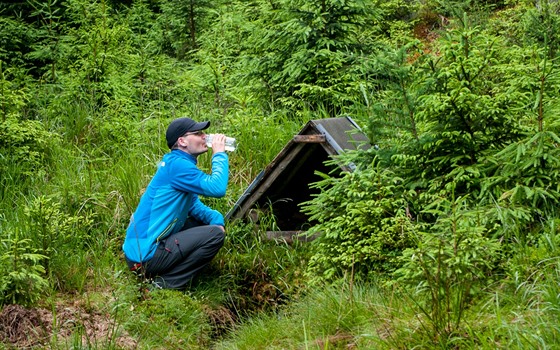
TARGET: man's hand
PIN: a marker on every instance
(218, 143)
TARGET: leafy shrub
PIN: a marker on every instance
(541, 25)
(56, 236)
(16, 36)
(525, 177)
(450, 265)
(309, 53)
(361, 220)
(14, 93)
(22, 277)
(467, 110)
(28, 145)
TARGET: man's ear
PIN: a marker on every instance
(181, 141)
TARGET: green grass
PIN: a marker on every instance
(374, 317)
(255, 294)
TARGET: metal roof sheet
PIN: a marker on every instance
(343, 133)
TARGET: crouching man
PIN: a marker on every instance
(172, 235)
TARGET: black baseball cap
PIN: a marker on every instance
(180, 127)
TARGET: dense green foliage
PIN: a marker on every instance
(479, 122)
(445, 235)
(363, 223)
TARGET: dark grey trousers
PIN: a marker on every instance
(180, 256)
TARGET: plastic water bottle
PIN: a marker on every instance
(231, 144)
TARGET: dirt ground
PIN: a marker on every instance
(26, 328)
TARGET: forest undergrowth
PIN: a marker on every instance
(444, 236)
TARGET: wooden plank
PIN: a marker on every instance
(309, 139)
(270, 176)
(289, 236)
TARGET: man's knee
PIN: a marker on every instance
(218, 235)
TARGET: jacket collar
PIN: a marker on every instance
(183, 154)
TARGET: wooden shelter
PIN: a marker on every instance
(285, 182)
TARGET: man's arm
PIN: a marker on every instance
(205, 214)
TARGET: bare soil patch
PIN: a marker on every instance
(26, 328)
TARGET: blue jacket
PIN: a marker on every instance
(172, 197)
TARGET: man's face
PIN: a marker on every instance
(194, 142)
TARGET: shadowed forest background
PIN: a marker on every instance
(445, 236)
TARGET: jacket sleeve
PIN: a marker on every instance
(205, 214)
(187, 177)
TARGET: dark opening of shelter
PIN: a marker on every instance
(285, 183)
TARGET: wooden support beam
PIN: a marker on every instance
(289, 236)
(309, 139)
